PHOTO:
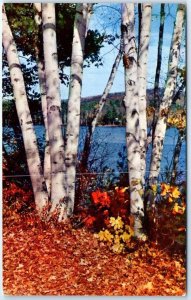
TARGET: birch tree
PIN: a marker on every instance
(58, 182)
(158, 70)
(83, 11)
(132, 118)
(142, 82)
(103, 99)
(24, 116)
(160, 129)
(42, 84)
(176, 154)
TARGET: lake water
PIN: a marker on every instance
(109, 142)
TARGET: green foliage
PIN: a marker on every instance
(27, 37)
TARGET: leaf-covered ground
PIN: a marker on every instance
(49, 260)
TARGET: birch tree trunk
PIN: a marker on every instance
(139, 25)
(142, 82)
(42, 84)
(176, 155)
(160, 129)
(83, 11)
(132, 119)
(24, 116)
(58, 182)
(88, 139)
(158, 70)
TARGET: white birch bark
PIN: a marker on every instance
(157, 75)
(176, 155)
(142, 82)
(42, 84)
(160, 129)
(24, 116)
(83, 11)
(58, 184)
(132, 119)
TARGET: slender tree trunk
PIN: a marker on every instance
(58, 180)
(139, 24)
(25, 120)
(132, 119)
(176, 155)
(42, 84)
(142, 82)
(158, 70)
(88, 139)
(83, 11)
(160, 130)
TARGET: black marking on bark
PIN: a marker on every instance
(16, 79)
(124, 28)
(54, 108)
(29, 122)
(131, 82)
(134, 112)
(44, 188)
(49, 26)
(55, 56)
(14, 66)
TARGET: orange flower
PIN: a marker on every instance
(165, 188)
(102, 198)
(89, 221)
(175, 192)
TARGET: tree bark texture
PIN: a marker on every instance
(160, 129)
(158, 70)
(83, 11)
(142, 82)
(42, 85)
(132, 118)
(56, 141)
(176, 155)
(24, 116)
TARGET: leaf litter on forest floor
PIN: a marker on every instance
(57, 261)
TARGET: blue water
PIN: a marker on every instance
(109, 141)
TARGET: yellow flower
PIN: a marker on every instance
(117, 248)
(175, 192)
(125, 236)
(178, 209)
(116, 223)
(165, 189)
(130, 230)
(117, 239)
(105, 235)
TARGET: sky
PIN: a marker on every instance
(95, 79)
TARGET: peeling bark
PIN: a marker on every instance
(56, 141)
(160, 130)
(142, 82)
(132, 120)
(83, 12)
(24, 116)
